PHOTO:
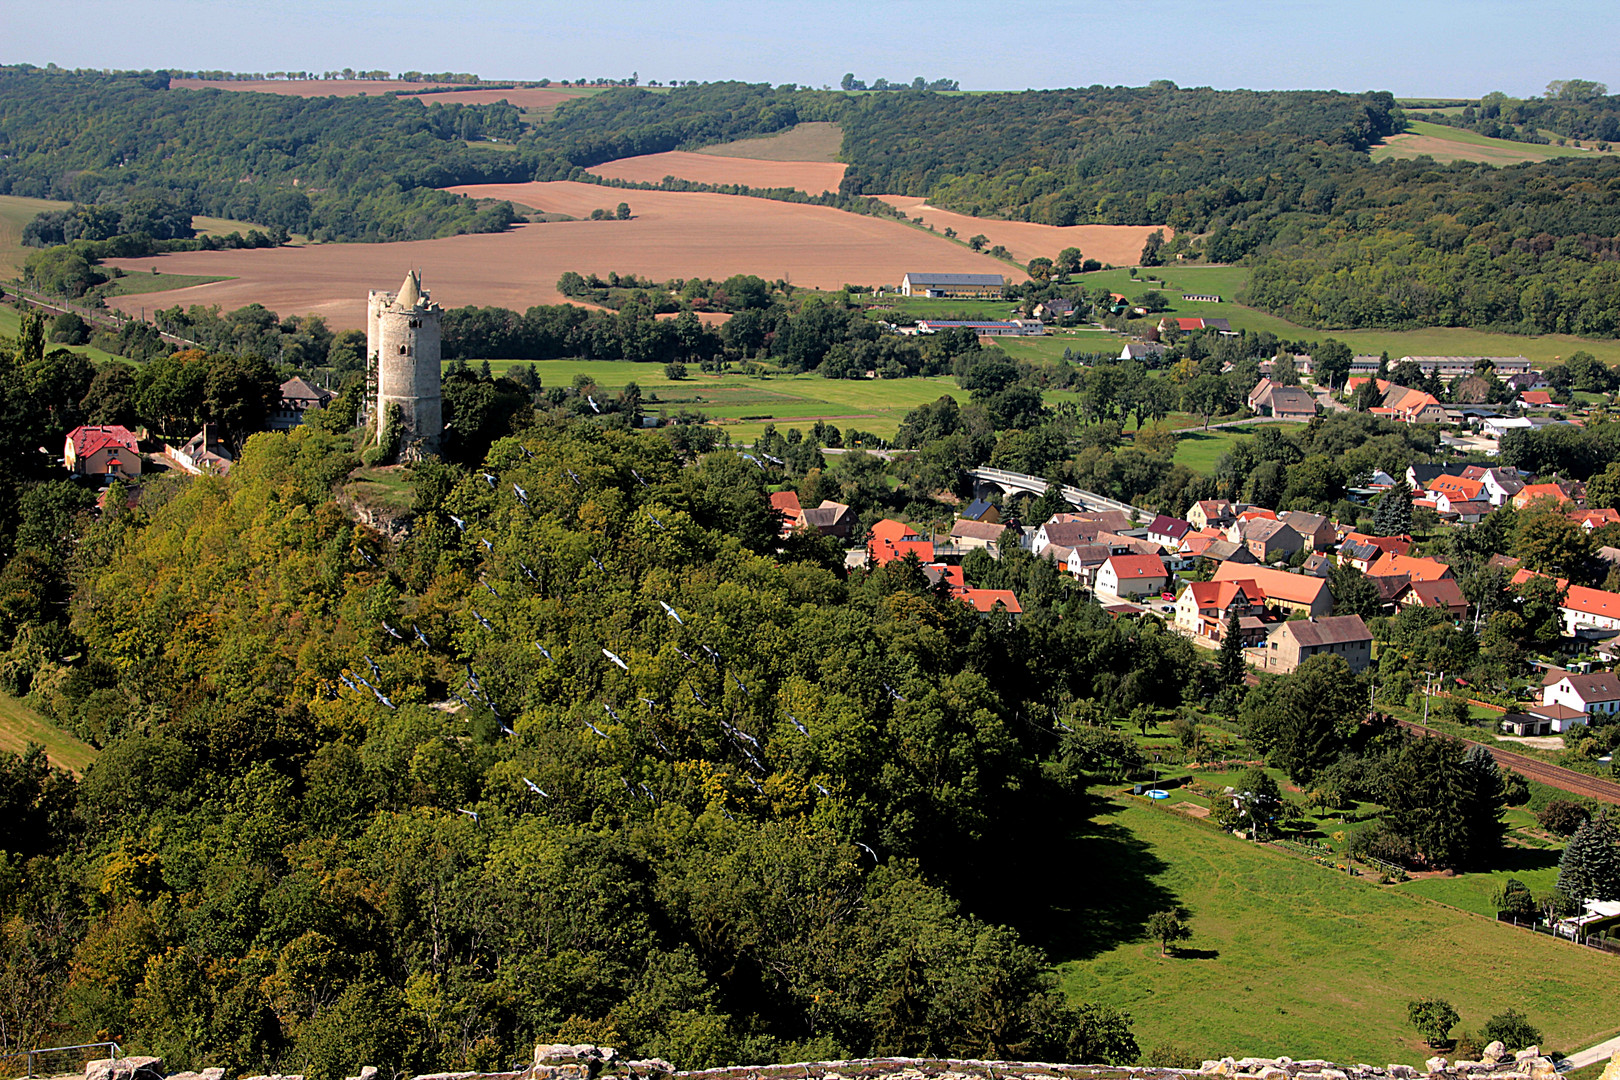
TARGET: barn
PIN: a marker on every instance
(953, 286)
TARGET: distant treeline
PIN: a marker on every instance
(1573, 108)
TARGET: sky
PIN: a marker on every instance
(1411, 47)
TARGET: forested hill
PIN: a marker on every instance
(357, 168)
(1107, 154)
(582, 756)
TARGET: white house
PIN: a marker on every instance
(1132, 575)
(1590, 609)
(1497, 426)
(1597, 694)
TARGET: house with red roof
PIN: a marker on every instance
(107, 451)
(1590, 609)
(1595, 519)
(1534, 492)
(1205, 609)
(1539, 399)
(1443, 595)
(786, 503)
(986, 601)
(1289, 592)
(1414, 567)
(1132, 575)
(893, 540)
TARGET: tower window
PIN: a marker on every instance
(402, 350)
(415, 323)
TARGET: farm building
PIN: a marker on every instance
(983, 286)
(986, 328)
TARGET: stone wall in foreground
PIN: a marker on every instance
(562, 1062)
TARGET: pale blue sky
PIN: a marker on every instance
(1413, 47)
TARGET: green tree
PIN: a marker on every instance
(1232, 667)
(1068, 261)
(1331, 359)
(1393, 515)
(1352, 593)
(622, 211)
(1550, 543)
(1167, 928)
(674, 371)
(1590, 866)
(1434, 1018)
(978, 242)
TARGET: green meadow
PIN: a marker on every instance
(1227, 281)
(21, 725)
(1289, 957)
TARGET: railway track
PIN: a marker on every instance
(1557, 776)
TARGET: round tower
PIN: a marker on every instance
(402, 343)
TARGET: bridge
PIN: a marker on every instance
(1034, 485)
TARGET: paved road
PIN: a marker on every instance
(1603, 1051)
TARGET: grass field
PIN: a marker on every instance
(1447, 144)
(745, 405)
(1225, 281)
(218, 226)
(11, 325)
(1288, 957)
(20, 725)
(133, 284)
(16, 212)
(1200, 450)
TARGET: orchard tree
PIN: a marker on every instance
(1068, 261)
(1512, 1029)
(1434, 1018)
(1167, 928)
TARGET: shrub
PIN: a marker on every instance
(1513, 1029)
(1561, 817)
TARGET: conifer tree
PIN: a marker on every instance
(1232, 654)
(1590, 868)
(1394, 514)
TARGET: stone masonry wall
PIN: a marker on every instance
(562, 1062)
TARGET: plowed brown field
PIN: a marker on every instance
(671, 235)
(532, 100)
(304, 88)
(1120, 245)
(809, 176)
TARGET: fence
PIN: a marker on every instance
(52, 1060)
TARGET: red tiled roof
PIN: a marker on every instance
(88, 439)
(985, 600)
(1278, 584)
(895, 540)
(787, 502)
(1591, 601)
(1137, 566)
(1535, 397)
(1418, 569)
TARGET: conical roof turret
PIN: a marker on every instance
(410, 293)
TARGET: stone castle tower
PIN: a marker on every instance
(402, 346)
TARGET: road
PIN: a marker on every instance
(1530, 768)
(1594, 1054)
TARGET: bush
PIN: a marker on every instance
(1171, 1056)
(1561, 817)
(674, 371)
(1513, 1029)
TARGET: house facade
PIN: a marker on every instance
(1596, 695)
(1291, 643)
(107, 451)
(1132, 575)
(980, 286)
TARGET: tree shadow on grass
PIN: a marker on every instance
(1077, 888)
(1183, 953)
(1522, 860)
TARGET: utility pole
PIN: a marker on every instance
(1426, 677)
